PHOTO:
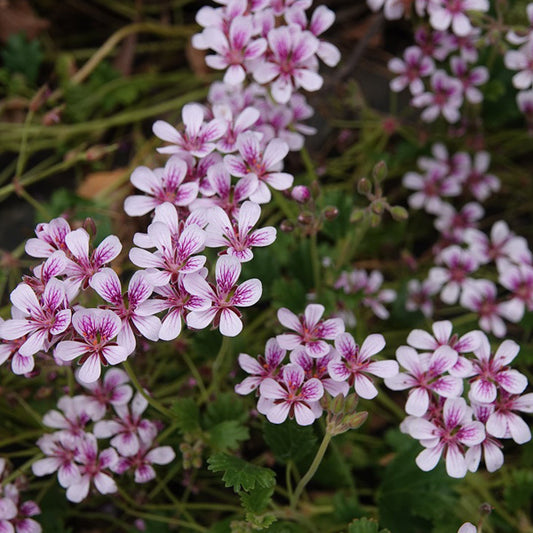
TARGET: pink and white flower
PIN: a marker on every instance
(43, 319)
(410, 71)
(318, 367)
(175, 253)
(425, 374)
(445, 98)
(84, 263)
(93, 466)
(492, 372)
(71, 417)
(128, 429)
(267, 366)
(50, 238)
(291, 63)
(521, 60)
(96, 329)
(226, 296)
(354, 364)
(198, 138)
(453, 276)
(112, 390)
(237, 238)
(518, 280)
(235, 48)
(292, 397)
(448, 435)
(471, 78)
(60, 451)
(504, 423)
(161, 185)
(107, 284)
(141, 463)
(310, 331)
(444, 14)
(481, 295)
(264, 163)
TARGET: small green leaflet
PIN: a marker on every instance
(365, 525)
(240, 474)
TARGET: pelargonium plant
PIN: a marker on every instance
(261, 310)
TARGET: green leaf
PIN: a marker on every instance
(21, 55)
(227, 435)
(240, 474)
(225, 407)
(519, 493)
(365, 525)
(289, 441)
(187, 414)
(410, 500)
(257, 500)
(289, 293)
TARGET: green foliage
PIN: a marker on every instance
(257, 500)
(23, 56)
(54, 509)
(519, 492)
(224, 408)
(412, 501)
(227, 434)
(346, 507)
(62, 200)
(365, 525)
(289, 441)
(187, 414)
(289, 293)
(240, 474)
(104, 92)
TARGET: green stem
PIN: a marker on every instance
(309, 165)
(28, 435)
(196, 375)
(312, 469)
(109, 45)
(152, 401)
(288, 480)
(21, 161)
(315, 262)
(21, 469)
(216, 369)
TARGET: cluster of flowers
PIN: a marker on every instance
(440, 70)
(463, 249)
(440, 418)
(295, 389)
(521, 60)
(109, 410)
(367, 285)
(15, 514)
(242, 136)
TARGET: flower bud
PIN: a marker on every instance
(337, 405)
(375, 220)
(306, 218)
(286, 226)
(357, 215)
(330, 212)
(355, 420)
(364, 186)
(89, 226)
(301, 194)
(350, 403)
(485, 508)
(399, 213)
(379, 172)
(378, 207)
